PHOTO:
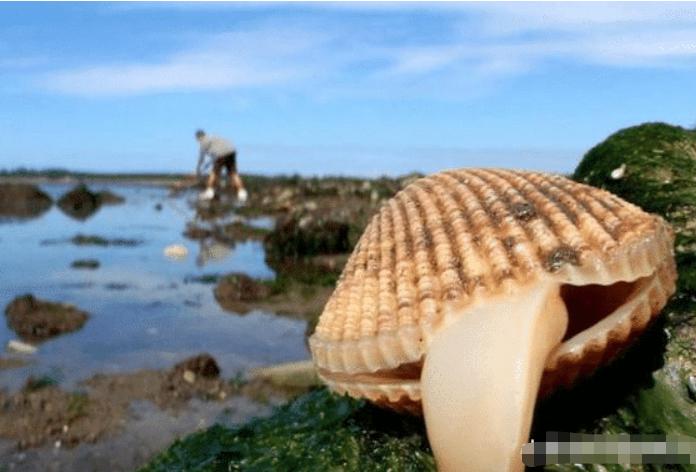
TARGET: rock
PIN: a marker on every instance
(189, 376)
(691, 385)
(37, 320)
(176, 251)
(85, 264)
(239, 231)
(662, 179)
(193, 231)
(94, 240)
(23, 201)
(316, 431)
(158, 206)
(619, 172)
(300, 374)
(202, 365)
(107, 197)
(15, 362)
(15, 345)
(80, 203)
(647, 390)
(306, 236)
(235, 290)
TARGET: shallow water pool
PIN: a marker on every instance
(145, 311)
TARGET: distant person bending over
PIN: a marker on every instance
(223, 154)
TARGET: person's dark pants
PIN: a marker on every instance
(229, 162)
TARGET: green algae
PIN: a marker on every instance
(660, 176)
(317, 431)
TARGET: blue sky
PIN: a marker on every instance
(337, 88)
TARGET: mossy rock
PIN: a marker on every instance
(307, 236)
(317, 431)
(659, 176)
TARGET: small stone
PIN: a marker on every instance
(57, 444)
(619, 172)
(691, 386)
(176, 251)
(15, 345)
(189, 376)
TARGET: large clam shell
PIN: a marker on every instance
(456, 238)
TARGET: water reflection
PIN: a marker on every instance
(140, 303)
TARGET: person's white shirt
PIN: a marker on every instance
(214, 147)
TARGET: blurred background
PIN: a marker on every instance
(339, 88)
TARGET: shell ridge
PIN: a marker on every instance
(406, 274)
(588, 221)
(544, 240)
(606, 219)
(489, 245)
(518, 207)
(427, 285)
(472, 265)
(442, 234)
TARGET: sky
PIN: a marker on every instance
(336, 88)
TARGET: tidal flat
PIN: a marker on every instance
(111, 394)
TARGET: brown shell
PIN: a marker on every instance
(455, 238)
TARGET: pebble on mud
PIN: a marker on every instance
(36, 320)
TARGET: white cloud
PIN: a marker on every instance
(476, 45)
(239, 59)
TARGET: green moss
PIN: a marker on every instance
(317, 431)
(660, 176)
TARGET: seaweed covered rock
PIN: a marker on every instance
(37, 320)
(304, 236)
(654, 166)
(23, 201)
(80, 203)
(646, 391)
(90, 264)
(651, 165)
(317, 431)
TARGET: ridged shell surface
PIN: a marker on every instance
(456, 238)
